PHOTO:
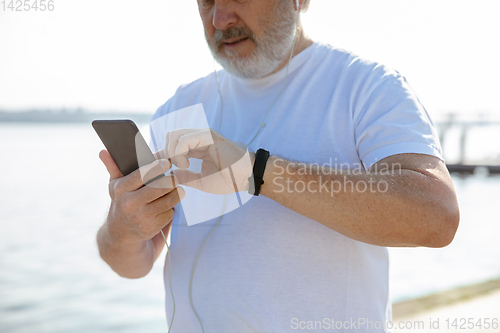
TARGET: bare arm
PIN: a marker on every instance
(130, 240)
(413, 204)
(416, 207)
(128, 259)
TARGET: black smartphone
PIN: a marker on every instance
(125, 144)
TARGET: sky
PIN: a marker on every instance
(130, 56)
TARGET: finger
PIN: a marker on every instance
(160, 155)
(171, 143)
(158, 241)
(188, 178)
(191, 141)
(136, 179)
(152, 172)
(167, 145)
(158, 188)
(166, 202)
(113, 170)
(163, 219)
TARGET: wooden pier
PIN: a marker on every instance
(470, 169)
(462, 167)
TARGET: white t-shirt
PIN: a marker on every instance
(266, 268)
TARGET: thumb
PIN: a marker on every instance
(188, 178)
(110, 164)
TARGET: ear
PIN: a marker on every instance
(297, 5)
(302, 5)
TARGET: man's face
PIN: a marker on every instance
(249, 38)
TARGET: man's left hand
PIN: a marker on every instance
(225, 168)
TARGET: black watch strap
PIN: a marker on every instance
(256, 181)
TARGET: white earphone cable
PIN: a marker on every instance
(169, 279)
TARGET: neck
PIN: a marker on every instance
(303, 42)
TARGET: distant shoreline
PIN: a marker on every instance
(444, 298)
(65, 116)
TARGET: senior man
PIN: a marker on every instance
(351, 165)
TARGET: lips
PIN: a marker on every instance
(234, 40)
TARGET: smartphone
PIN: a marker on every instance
(125, 144)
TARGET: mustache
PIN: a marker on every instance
(220, 36)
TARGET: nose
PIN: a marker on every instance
(224, 15)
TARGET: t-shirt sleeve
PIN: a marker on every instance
(151, 141)
(389, 119)
(156, 130)
(151, 137)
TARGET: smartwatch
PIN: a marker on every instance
(257, 179)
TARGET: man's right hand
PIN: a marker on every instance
(130, 239)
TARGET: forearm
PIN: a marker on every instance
(128, 259)
(405, 208)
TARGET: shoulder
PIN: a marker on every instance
(351, 67)
(188, 94)
(368, 82)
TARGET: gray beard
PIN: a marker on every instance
(271, 49)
